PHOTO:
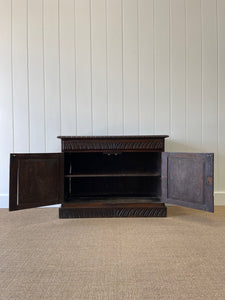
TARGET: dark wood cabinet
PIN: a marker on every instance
(112, 176)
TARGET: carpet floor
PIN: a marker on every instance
(178, 257)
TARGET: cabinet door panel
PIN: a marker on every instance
(187, 180)
(36, 180)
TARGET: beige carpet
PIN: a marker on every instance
(178, 257)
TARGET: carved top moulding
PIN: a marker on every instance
(113, 144)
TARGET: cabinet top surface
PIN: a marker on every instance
(114, 137)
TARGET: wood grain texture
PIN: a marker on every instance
(188, 180)
(133, 179)
(36, 180)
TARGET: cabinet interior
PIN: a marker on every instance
(125, 176)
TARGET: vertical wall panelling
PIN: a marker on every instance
(209, 69)
(130, 67)
(20, 76)
(51, 67)
(221, 94)
(194, 75)
(36, 76)
(83, 67)
(67, 67)
(162, 66)
(146, 67)
(99, 67)
(6, 122)
(114, 67)
(178, 73)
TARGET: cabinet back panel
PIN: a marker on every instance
(98, 163)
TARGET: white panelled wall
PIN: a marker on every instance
(109, 67)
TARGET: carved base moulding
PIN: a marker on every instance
(113, 212)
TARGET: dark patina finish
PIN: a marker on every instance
(36, 180)
(187, 179)
(112, 143)
(112, 176)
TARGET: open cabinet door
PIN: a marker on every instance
(36, 180)
(187, 180)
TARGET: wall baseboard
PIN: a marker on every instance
(4, 201)
(219, 199)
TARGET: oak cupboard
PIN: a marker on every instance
(112, 176)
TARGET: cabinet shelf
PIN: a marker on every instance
(138, 174)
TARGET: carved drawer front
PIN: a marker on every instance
(115, 145)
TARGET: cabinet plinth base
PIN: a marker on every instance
(153, 210)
